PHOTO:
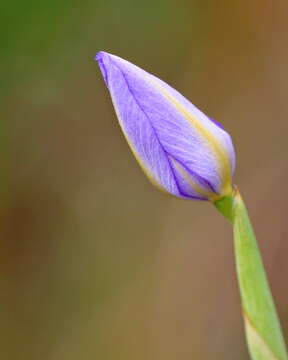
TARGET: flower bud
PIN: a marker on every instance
(182, 151)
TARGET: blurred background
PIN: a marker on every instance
(94, 262)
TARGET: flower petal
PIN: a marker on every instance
(181, 149)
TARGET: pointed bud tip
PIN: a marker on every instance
(100, 58)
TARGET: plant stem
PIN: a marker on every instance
(263, 330)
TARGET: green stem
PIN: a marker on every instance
(263, 330)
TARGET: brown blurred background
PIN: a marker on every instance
(94, 262)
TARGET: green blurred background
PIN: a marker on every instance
(94, 262)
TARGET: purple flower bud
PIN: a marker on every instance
(181, 150)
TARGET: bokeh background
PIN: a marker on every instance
(94, 262)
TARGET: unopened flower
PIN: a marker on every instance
(181, 150)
